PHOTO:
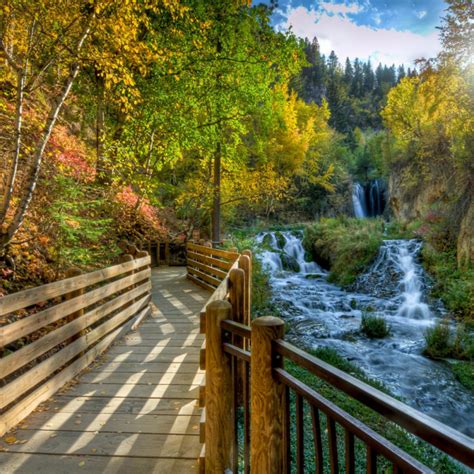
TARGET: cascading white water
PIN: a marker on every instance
(322, 314)
(396, 273)
(358, 201)
(292, 248)
(412, 306)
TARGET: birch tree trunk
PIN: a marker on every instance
(38, 155)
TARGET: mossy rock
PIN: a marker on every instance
(289, 263)
(267, 241)
(281, 241)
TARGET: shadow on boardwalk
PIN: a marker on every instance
(135, 410)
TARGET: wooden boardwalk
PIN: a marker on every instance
(135, 410)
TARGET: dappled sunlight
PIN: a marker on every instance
(138, 402)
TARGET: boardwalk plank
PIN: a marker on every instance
(136, 391)
(145, 378)
(114, 423)
(136, 406)
(49, 464)
(106, 444)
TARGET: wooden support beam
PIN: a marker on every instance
(267, 399)
(220, 436)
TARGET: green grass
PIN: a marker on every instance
(346, 245)
(464, 372)
(374, 327)
(442, 342)
(455, 286)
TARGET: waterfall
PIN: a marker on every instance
(412, 306)
(396, 273)
(358, 201)
(294, 248)
(292, 252)
(368, 200)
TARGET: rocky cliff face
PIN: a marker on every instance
(427, 200)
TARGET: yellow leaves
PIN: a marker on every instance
(10, 440)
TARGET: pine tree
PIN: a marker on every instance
(401, 72)
(348, 72)
(369, 78)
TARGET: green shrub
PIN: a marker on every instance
(442, 343)
(438, 341)
(374, 327)
(345, 245)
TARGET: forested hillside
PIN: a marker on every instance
(355, 90)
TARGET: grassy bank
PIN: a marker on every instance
(454, 286)
(344, 245)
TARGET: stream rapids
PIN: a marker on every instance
(321, 314)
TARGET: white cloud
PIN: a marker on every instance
(377, 17)
(347, 39)
(341, 8)
(421, 14)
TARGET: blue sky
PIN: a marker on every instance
(396, 31)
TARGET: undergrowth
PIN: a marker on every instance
(374, 327)
(453, 285)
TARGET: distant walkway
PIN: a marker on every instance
(135, 411)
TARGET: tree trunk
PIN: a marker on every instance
(216, 205)
(100, 166)
(38, 156)
(16, 156)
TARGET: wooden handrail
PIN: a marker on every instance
(209, 267)
(39, 294)
(97, 307)
(384, 447)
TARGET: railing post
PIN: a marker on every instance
(245, 263)
(267, 399)
(220, 437)
(237, 301)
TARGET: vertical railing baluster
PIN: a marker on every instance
(267, 397)
(371, 460)
(220, 432)
(246, 418)
(287, 433)
(318, 445)
(396, 469)
(349, 446)
(235, 384)
(299, 434)
(332, 440)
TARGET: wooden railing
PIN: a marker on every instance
(208, 267)
(227, 274)
(257, 413)
(76, 319)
